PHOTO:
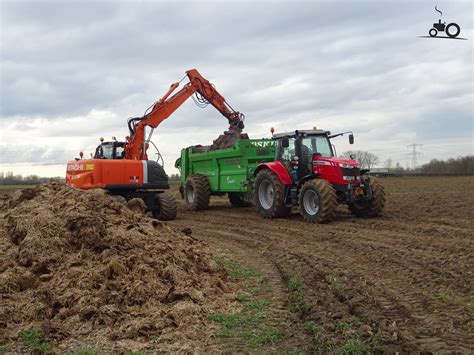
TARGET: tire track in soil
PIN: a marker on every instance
(274, 290)
(396, 298)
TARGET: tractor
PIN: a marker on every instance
(307, 173)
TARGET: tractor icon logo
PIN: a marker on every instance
(452, 29)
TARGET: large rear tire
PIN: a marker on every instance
(197, 192)
(269, 195)
(237, 199)
(318, 201)
(373, 207)
(168, 208)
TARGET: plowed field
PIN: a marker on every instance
(399, 282)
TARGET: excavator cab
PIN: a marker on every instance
(110, 150)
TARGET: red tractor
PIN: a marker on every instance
(307, 173)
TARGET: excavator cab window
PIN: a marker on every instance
(107, 151)
(110, 150)
(119, 150)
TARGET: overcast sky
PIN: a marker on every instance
(74, 71)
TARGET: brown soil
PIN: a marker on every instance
(402, 282)
(84, 268)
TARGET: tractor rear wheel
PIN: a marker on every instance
(237, 199)
(373, 207)
(197, 192)
(318, 201)
(167, 207)
(269, 195)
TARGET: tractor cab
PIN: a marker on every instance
(309, 153)
(110, 150)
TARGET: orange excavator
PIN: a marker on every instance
(123, 168)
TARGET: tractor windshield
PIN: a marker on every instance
(317, 145)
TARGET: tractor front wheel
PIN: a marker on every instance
(269, 195)
(433, 32)
(197, 192)
(372, 207)
(167, 207)
(318, 201)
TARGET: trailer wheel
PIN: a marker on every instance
(236, 199)
(269, 195)
(167, 207)
(197, 192)
(373, 207)
(318, 201)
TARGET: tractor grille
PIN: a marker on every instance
(350, 171)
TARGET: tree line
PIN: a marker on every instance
(459, 165)
(9, 178)
(453, 165)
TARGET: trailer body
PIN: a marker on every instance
(229, 169)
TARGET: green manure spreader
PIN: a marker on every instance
(230, 171)
(297, 168)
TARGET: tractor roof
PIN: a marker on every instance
(308, 132)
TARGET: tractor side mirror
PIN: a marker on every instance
(351, 138)
(285, 142)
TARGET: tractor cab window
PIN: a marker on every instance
(286, 154)
(316, 145)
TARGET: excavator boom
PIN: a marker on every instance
(135, 147)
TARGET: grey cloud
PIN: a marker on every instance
(339, 62)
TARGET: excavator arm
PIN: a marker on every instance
(136, 146)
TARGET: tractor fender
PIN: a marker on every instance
(306, 178)
(278, 168)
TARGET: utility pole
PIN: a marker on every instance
(413, 153)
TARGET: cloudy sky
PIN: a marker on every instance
(74, 71)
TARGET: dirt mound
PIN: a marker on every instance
(225, 140)
(83, 267)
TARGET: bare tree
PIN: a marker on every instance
(370, 160)
(388, 164)
(366, 159)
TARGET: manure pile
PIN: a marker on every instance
(85, 269)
